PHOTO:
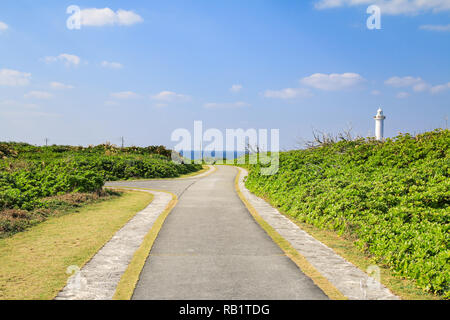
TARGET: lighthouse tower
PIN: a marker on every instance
(379, 125)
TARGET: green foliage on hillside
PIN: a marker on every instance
(391, 197)
(29, 174)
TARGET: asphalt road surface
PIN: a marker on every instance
(210, 247)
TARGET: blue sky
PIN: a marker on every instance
(141, 69)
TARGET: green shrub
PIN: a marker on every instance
(392, 197)
(37, 172)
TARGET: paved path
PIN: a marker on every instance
(99, 278)
(211, 248)
(176, 186)
(347, 278)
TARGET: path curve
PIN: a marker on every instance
(98, 279)
(177, 185)
(210, 247)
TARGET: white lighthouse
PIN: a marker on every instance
(379, 125)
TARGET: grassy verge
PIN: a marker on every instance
(127, 284)
(13, 221)
(391, 198)
(345, 247)
(404, 288)
(33, 263)
(183, 176)
(196, 173)
(326, 286)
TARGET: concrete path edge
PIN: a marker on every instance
(127, 284)
(349, 280)
(99, 278)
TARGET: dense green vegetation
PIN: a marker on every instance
(30, 175)
(392, 198)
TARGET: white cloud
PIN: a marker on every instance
(235, 88)
(111, 103)
(169, 96)
(3, 26)
(17, 104)
(333, 82)
(417, 84)
(391, 7)
(375, 92)
(128, 18)
(29, 114)
(38, 95)
(402, 95)
(94, 17)
(14, 78)
(111, 65)
(60, 86)
(440, 28)
(68, 59)
(421, 87)
(226, 105)
(124, 95)
(440, 88)
(288, 93)
(399, 82)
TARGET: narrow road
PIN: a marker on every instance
(210, 247)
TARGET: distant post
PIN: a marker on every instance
(379, 125)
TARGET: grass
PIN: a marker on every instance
(183, 176)
(345, 247)
(327, 287)
(13, 221)
(404, 288)
(391, 197)
(33, 263)
(193, 174)
(129, 279)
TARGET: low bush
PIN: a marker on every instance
(29, 174)
(392, 197)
